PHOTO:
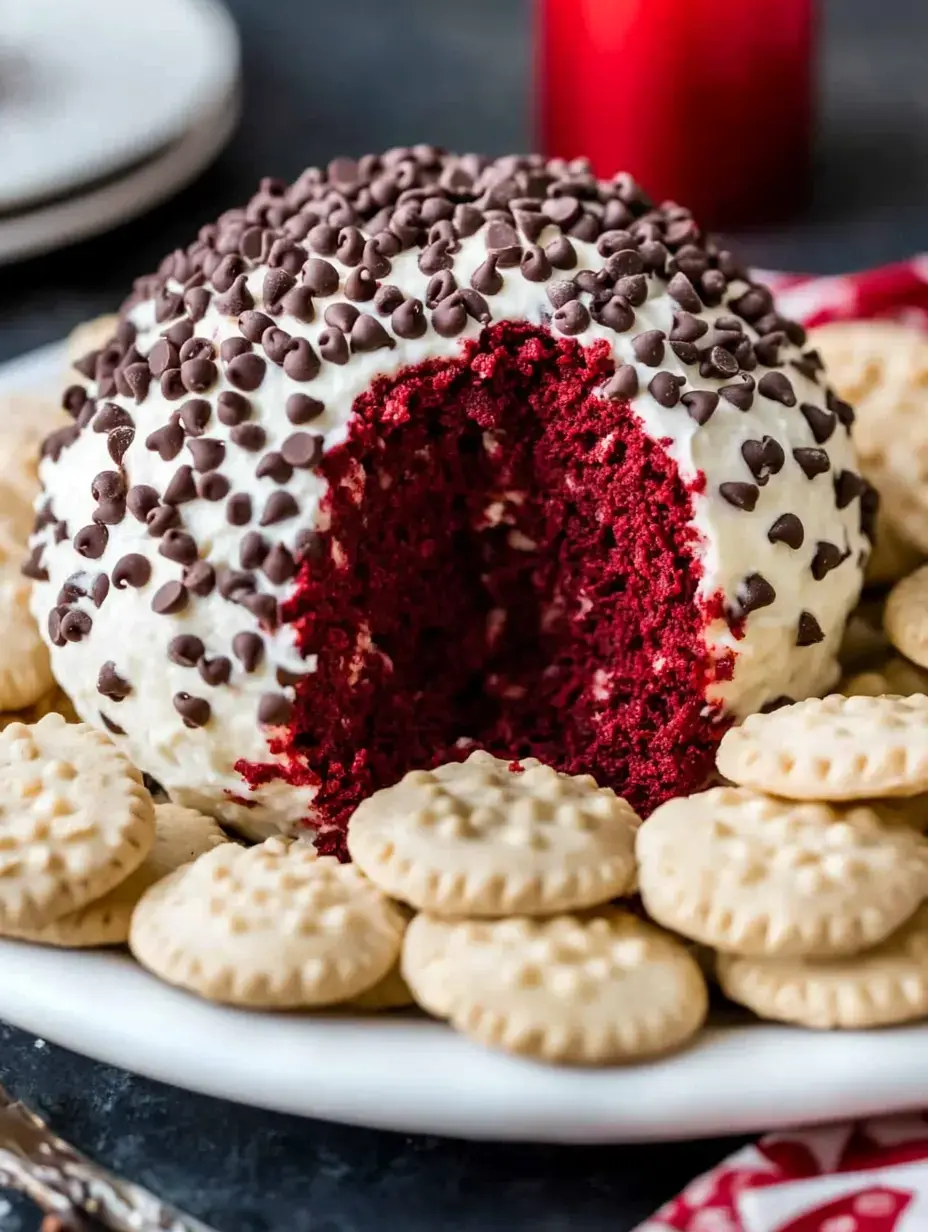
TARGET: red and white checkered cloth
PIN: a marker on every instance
(865, 1177)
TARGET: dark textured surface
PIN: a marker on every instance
(362, 74)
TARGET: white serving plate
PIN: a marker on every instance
(406, 1073)
(88, 87)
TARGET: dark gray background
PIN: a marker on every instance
(343, 77)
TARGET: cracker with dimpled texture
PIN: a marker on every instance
(478, 838)
(832, 748)
(271, 927)
(906, 616)
(749, 874)
(75, 820)
(181, 835)
(25, 669)
(881, 368)
(895, 675)
(885, 985)
(892, 558)
(589, 989)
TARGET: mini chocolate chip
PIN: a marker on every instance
(177, 545)
(185, 650)
(237, 299)
(248, 648)
(162, 356)
(298, 303)
(137, 377)
(196, 301)
(110, 416)
(110, 684)
(195, 415)
(310, 545)
(741, 495)
(238, 509)
(486, 278)
(767, 348)
(213, 486)
(740, 396)
(409, 321)
(301, 363)
(717, 362)
(198, 375)
(263, 607)
(280, 506)
(250, 436)
(367, 334)
(573, 318)
(387, 299)
(215, 671)
(274, 710)
(840, 408)
(682, 290)
(440, 287)
(848, 486)
(276, 342)
(700, 404)
(808, 631)
(777, 387)
(181, 487)
(811, 461)
(302, 449)
(170, 598)
(253, 325)
(54, 627)
(333, 346)
(273, 466)
(623, 385)
(131, 570)
(200, 578)
(232, 408)
(118, 441)
(195, 711)
(561, 253)
(90, 541)
(562, 210)
(360, 285)
(665, 387)
(232, 347)
(764, 458)
(562, 292)
(107, 485)
(615, 314)
(450, 317)
(755, 592)
(341, 316)
(277, 282)
(246, 372)
(535, 265)
(252, 550)
(634, 287)
(172, 386)
(787, 529)
(649, 347)
(279, 565)
(502, 240)
(178, 334)
(687, 353)
(208, 454)
(821, 422)
(755, 303)
(827, 557)
(320, 276)
(33, 568)
(75, 625)
(303, 409)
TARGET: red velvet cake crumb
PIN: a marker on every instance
(509, 563)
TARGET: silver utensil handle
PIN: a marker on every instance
(62, 1181)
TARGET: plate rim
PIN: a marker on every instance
(216, 79)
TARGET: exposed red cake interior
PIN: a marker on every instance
(435, 621)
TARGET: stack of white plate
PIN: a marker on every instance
(106, 108)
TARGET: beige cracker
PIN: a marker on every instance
(589, 989)
(832, 748)
(892, 558)
(272, 927)
(749, 874)
(882, 369)
(884, 985)
(181, 834)
(894, 675)
(906, 616)
(477, 838)
(75, 820)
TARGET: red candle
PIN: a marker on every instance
(705, 102)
